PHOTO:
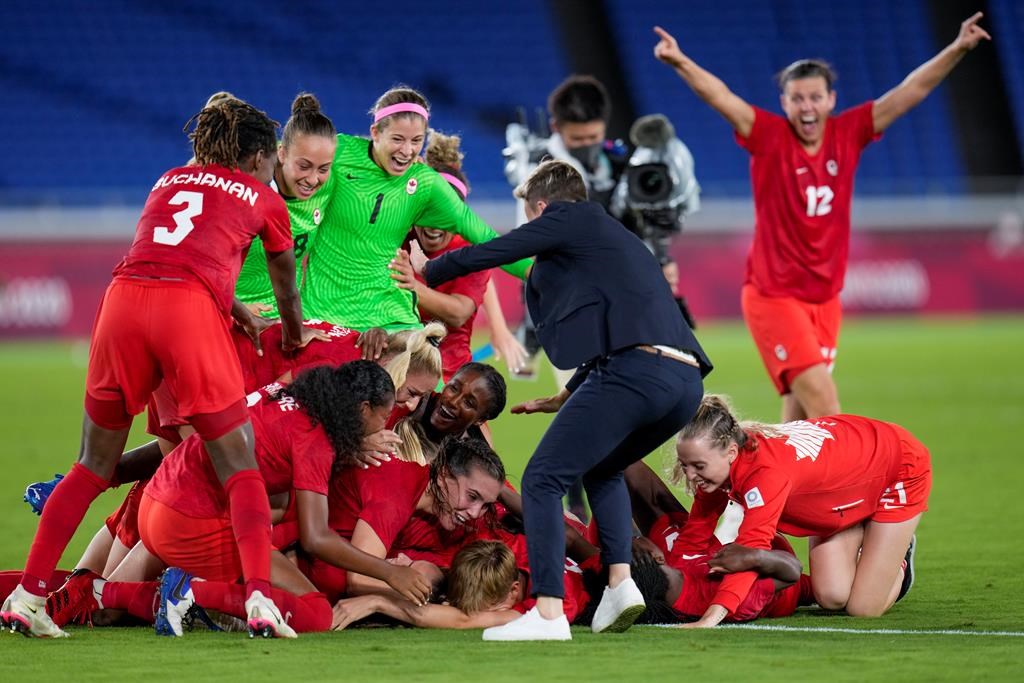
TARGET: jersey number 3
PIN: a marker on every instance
(819, 200)
(183, 225)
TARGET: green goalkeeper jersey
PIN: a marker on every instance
(254, 286)
(347, 277)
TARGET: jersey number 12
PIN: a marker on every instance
(183, 225)
(819, 200)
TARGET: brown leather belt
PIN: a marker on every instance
(669, 352)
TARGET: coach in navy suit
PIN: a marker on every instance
(602, 305)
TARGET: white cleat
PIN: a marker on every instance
(264, 618)
(25, 613)
(619, 608)
(531, 626)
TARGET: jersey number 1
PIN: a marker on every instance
(819, 200)
(183, 225)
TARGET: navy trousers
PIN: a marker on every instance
(630, 404)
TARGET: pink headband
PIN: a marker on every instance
(456, 183)
(399, 108)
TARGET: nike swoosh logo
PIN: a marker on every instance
(33, 610)
(176, 592)
(891, 507)
(692, 557)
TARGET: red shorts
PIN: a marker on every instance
(204, 547)
(148, 330)
(123, 524)
(907, 496)
(791, 335)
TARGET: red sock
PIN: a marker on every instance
(61, 516)
(10, 578)
(250, 519)
(306, 613)
(138, 598)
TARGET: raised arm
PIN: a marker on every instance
(922, 80)
(706, 85)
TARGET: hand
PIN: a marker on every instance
(380, 445)
(507, 347)
(712, 617)
(645, 545)
(971, 34)
(667, 49)
(417, 258)
(306, 335)
(698, 624)
(402, 271)
(259, 309)
(550, 404)
(350, 610)
(364, 459)
(373, 342)
(253, 325)
(735, 558)
(410, 584)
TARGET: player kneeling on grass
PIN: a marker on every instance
(856, 487)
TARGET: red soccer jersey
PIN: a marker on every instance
(455, 349)
(384, 497)
(815, 479)
(290, 451)
(259, 371)
(576, 596)
(802, 203)
(198, 224)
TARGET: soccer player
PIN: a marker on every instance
(380, 191)
(454, 303)
(179, 275)
(802, 168)
(313, 429)
(856, 486)
(302, 176)
(439, 502)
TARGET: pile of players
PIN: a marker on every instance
(302, 468)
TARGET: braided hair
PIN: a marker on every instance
(331, 396)
(230, 131)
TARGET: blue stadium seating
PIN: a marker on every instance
(94, 94)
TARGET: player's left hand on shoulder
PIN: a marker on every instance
(373, 342)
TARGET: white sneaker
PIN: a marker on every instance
(264, 618)
(531, 626)
(25, 613)
(619, 608)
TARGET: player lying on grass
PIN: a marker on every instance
(314, 428)
(856, 487)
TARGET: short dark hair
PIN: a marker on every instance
(579, 99)
(807, 68)
(553, 181)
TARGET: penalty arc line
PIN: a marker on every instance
(866, 631)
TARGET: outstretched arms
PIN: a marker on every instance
(922, 80)
(706, 85)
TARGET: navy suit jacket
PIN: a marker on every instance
(594, 289)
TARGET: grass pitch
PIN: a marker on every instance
(957, 383)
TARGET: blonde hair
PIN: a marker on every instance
(553, 181)
(415, 351)
(481, 576)
(416, 447)
(716, 422)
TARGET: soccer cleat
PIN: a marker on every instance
(619, 608)
(36, 494)
(908, 569)
(75, 600)
(178, 609)
(25, 613)
(530, 626)
(264, 618)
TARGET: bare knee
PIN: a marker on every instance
(831, 597)
(861, 608)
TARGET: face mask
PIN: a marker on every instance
(588, 155)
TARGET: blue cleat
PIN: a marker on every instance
(37, 494)
(178, 609)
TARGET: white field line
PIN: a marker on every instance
(865, 631)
